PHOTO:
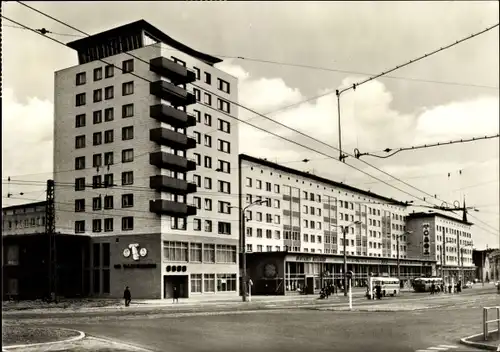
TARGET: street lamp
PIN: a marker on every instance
(244, 245)
(344, 232)
(397, 238)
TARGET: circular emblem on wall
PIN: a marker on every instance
(270, 270)
(143, 252)
(126, 252)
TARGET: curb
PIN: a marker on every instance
(119, 343)
(483, 346)
(80, 336)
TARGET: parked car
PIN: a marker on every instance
(468, 285)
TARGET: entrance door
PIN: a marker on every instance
(310, 285)
(178, 281)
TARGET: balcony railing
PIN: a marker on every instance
(168, 207)
(176, 95)
(176, 140)
(170, 184)
(172, 116)
(172, 162)
(177, 73)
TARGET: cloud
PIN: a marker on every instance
(27, 147)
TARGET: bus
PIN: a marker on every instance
(423, 284)
(390, 285)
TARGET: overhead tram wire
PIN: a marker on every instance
(251, 110)
(257, 127)
(358, 154)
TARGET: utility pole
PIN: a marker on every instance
(397, 251)
(50, 229)
(344, 230)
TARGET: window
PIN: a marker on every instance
(127, 155)
(109, 71)
(207, 98)
(268, 186)
(80, 226)
(128, 88)
(80, 99)
(197, 158)
(197, 180)
(223, 105)
(97, 117)
(208, 78)
(208, 141)
(223, 187)
(108, 224)
(223, 126)
(175, 251)
(258, 184)
(80, 163)
(223, 166)
(79, 184)
(226, 253)
(97, 95)
(128, 66)
(127, 223)
(208, 225)
(208, 119)
(223, 85)
(127, 178)
(127, 200)
(208, 183)
(96, 225)
(127, 110)
(196, 283)
(196, 94)
(180, 62)
(225, 229)
(195, 252)
(197, 224)
(97, 74)
(81, 78)
(96, 181)
(197, 71)
(97, 160)
(226, 282)
(208, 282)
(109, 136)
(248, 182)
(197, 136)
(80, 142)
(109, 114)
(208, 162)
(223, 146)
(79, 205)
(127, 133)
(198, 115)
(209, 253)
(108, 93)
(80, 120)
(97, 138)
(208, 204)
(224, 207)
(108, 202)
(108, 158)
(197, 202)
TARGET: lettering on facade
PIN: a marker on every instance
(134, 250)
(306, 258)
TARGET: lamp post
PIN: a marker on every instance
(244, 246)
(344, 232)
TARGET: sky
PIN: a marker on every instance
(451, 95)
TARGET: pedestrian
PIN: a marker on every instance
(378, 289)
(127, 296)
(176, 295)
(433, 288)
(449, 287)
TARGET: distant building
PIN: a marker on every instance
(487, 263)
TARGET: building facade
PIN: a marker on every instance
(449, 241)
(144, 163)
(306, 215)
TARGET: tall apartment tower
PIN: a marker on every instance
(145, 162)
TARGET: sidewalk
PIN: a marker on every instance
(477, 341)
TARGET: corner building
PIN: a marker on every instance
(302, 225)
(145, 160)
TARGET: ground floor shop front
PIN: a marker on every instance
(283, 273)
(456, 273)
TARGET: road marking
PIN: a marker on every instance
(438, 348)
(448, 346)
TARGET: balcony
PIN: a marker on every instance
(176, 95)
(173, 139)
(168, 207)
(173, 162)
(178, 74)
(169, 184)
(174, 117)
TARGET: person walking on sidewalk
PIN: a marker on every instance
(176, 295)
(127, 296)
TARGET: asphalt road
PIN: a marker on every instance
(305, 326)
